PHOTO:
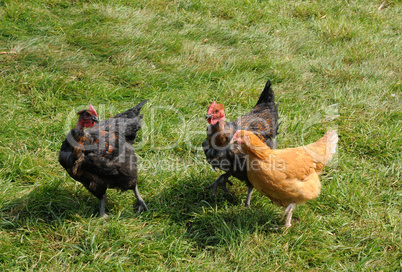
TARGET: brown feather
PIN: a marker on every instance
(288, 175)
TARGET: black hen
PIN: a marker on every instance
(262, 120)
(102, 156)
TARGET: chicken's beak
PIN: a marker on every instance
(234, 141)
(95, 119)
(208, 116)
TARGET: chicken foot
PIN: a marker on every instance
(289, 211)
(222, 180)
(140, 202)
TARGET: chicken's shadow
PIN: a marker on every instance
(212, 220)
(48, 203)
(209, 220)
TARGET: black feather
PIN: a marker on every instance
(102, 157)
(267, 95)
(262, 120)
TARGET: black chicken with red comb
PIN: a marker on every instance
(102, 156)
(262, 120)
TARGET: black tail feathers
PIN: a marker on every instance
(267, 95)
(140, 105)
(133, 112)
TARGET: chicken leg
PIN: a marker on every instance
(248, 198)
(289, 211)
(102, 212)
(140, 202)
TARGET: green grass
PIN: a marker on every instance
(325, 58)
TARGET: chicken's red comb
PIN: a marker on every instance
(91, 108)
(211, 108)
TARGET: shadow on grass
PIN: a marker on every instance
(48, 203)
(211, 220)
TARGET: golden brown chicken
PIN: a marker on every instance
(286, 176)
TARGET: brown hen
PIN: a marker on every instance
(287, 176)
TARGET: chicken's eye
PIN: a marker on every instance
(216, 111)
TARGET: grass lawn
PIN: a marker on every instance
(333, 64)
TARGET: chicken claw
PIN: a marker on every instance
(141, 206)
(222, 180)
